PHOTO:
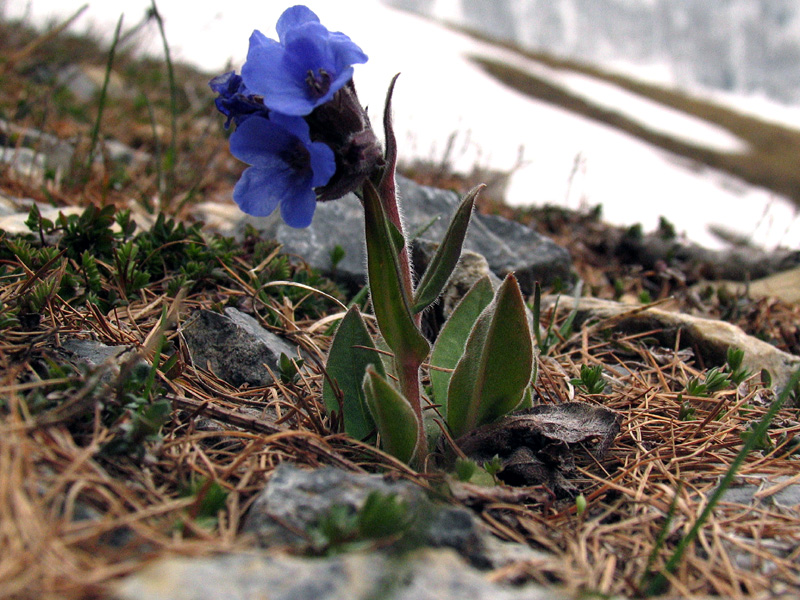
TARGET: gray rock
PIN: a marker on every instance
(507, 246)
(234, 347)
(32, 153)
(95, 355)
(766, 492)
(115, 538)
(750, 550)
(8, 206)
(294, 501)
(14, 223)
(424, 575)
(86, 81)
(38, 155)
(92, 352)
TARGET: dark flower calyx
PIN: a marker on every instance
(344, 126)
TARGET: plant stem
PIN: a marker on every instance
(408, 374)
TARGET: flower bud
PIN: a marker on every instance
(342, 124)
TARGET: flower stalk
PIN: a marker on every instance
(306, 138)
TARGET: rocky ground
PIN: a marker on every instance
(146, 451)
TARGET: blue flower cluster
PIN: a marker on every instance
(295, 150)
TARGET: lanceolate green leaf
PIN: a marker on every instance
(449, 346)
(389, 300)
(351, 353)
(496, 367)
(447, 254)
(397, 423)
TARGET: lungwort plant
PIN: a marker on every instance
(301, 128)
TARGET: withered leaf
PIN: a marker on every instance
(538, 445)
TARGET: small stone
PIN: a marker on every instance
(92, 352)
(295, 500)
(235, 347)
(33, 153)
(785, 493)
(14, 224)
(95, 354)
(86, 81)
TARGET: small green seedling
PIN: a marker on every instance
(289, 368)
(761, 442)
(591, 380)
(469, 471)
(580, 504)
(493, 467)
(209, 499)
(465, 469)
(383, 516)
(687, 411)
(737, 373)
(337, 255)
(715, 381)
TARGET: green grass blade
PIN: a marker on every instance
(172, 152)
(95, 135)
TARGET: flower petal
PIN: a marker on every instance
(255, 192)
(280, 71)
(270, 73)
(345, 51)
(297, 126)
(323, 163)
(293, 17)
(258, 141)
(299, 210)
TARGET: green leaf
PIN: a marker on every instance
(447, 254)
(497, 364)
(337, 255)
(452, 339)
(527, 397)
(398, 241)
(397, 424)
(352, 351)
(389, 299)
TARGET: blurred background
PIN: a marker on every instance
(683, 109)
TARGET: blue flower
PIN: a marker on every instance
(286, 167)
(234, 100)
(305, 69)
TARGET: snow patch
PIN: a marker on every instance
(570, 160)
